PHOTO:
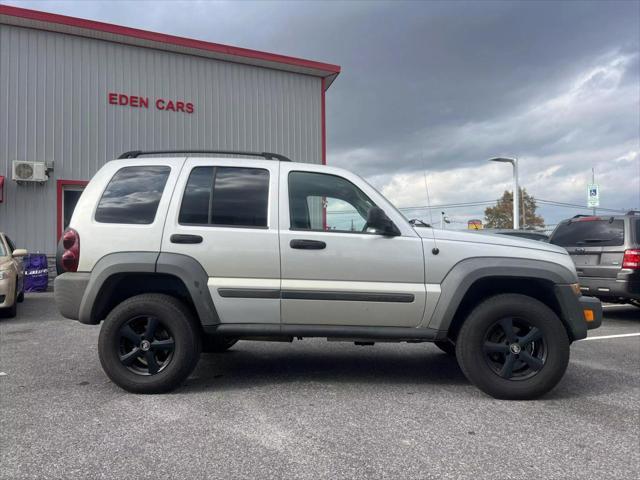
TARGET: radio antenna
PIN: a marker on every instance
(435, 250)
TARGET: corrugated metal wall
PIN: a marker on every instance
(54, 108)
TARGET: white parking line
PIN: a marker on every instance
(613, 336)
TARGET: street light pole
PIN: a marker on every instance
(516, 189)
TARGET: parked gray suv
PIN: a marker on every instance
(606, 251)
(177, 254)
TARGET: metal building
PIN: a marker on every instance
(76, 93)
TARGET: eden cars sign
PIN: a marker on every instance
(137, 101)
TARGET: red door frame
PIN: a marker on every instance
(60, 184)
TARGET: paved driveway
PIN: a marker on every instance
(311, 409)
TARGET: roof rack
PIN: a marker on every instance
(266, 155)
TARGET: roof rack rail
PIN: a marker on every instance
(581, 215)
(266, 155)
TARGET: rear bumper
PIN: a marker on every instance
(625, 286)
(573, 312)
(68, 291)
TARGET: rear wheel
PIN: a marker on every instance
(513, 347)
(149, 344)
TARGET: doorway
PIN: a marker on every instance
(68, 193)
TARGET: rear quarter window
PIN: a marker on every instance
(593, 233)
(132, 195)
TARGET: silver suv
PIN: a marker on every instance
(176, 254)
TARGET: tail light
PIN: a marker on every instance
(631, 259)
(71, 254)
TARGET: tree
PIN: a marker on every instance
(501, 216)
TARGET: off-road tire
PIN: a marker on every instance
(471, 347)
(172, 315)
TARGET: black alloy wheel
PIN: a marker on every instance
(514, 349)
(512, 346)
(149, 343)
(146, 345)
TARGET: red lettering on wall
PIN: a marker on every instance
(136, 101)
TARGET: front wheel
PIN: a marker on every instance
(149, 343)
(513, 347)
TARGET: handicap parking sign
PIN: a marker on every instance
(593, 195)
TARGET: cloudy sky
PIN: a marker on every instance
(443, 86)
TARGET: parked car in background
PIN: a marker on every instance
(606, 251)
(11, 276)
(529, 234)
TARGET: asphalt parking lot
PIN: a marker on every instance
(311, 409)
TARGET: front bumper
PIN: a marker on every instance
(7, 292)
(623, 287)
(579, 313)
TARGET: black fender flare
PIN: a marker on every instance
(465, 273)
(183, 267)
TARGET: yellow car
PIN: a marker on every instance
(11, 276)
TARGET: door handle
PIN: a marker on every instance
(177, 238)
(308, 244)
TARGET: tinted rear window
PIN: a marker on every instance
(133, 195)
(226, 196)
(590, 233)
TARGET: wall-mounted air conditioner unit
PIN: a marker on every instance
(29, 171)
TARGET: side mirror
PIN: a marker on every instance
(378, 220)
(19, 252)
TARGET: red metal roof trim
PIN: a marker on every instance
(164, 38)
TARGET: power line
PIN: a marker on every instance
(555, 203)
(548, 203)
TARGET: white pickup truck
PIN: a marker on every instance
(176, 254)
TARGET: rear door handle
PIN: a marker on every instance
(308, 244)
(177, 238)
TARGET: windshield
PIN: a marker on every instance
(590, 233)
(2, 252)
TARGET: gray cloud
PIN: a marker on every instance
(445, 85)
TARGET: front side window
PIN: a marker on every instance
(226, 196)
(132, 195)
(10, 244)
(322, 202)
